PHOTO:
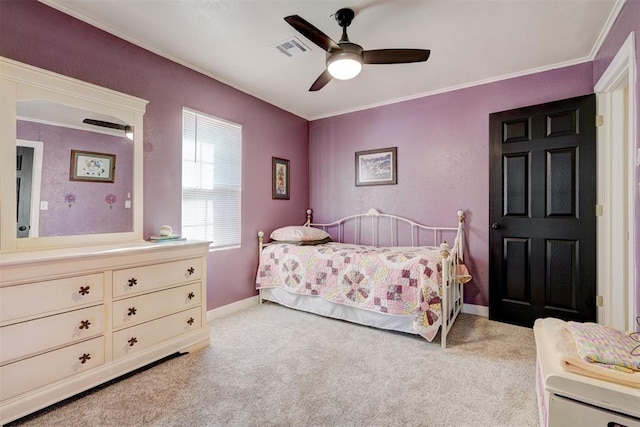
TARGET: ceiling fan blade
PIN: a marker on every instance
(311, 32)
(321, 81)
(395, 56)
(104, 124)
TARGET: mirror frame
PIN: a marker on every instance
(20, 82)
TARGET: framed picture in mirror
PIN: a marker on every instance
(92, 167)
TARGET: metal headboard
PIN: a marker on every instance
(337, 228)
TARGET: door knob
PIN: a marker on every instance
(495, 226)
(22, 228)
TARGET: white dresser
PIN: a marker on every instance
(71, 319)
(566, 399)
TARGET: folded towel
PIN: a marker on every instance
(604, 345)
(563, 346)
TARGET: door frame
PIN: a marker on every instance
(616, 138)
(36, 183)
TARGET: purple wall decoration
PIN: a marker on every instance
(110, 199)
(70, 199)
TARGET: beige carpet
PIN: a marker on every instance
(273, 366)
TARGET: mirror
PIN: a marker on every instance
(70, 172)
(60, 194)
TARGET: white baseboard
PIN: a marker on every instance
(228, 309)
(478, 310)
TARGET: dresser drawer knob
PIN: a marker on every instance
(191, 270)
(132, 311)
(84, 324)
(84, 290)
(191, 295)
(132, 282)
(83, 359)
(132, 341)
(190, 321)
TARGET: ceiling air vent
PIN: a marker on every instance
(292, 46)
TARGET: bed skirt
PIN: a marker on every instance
(318, 305)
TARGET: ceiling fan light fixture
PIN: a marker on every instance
(128, 132)
(344, 65)
(345, 59)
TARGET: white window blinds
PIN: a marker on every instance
(211, 179)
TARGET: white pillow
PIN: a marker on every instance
(300, 233)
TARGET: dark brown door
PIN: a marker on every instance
(24, 170)
(542, 198)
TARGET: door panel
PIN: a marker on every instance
(517, 270)
(561, 182)
(542, 212)
(516, 181)
(561, 275)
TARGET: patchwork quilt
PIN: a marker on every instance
(394, 281)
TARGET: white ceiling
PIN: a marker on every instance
(471, 42)
(53, 113)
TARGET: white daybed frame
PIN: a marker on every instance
(452, 287)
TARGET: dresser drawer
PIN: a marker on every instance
(137, 338)
(141, 279)
(47, 368)
(134, 310)
(43, 297)
(568, 412)
(25, 338)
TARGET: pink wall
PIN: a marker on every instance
(36, 34)
(628, 20)
(89, 213)
(443, 157)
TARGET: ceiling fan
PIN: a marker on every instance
(128, 130)
(345, 59)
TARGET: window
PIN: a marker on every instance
(211, 179)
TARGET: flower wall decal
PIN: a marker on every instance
(110, 199)
(70, 199)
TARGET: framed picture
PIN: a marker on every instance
(377, 167)
(280, 179)
(92, 167)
